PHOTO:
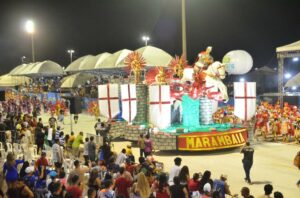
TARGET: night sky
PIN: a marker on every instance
(96, 26)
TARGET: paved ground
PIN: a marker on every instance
(273, 162)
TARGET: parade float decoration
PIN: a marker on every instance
(57, 107)
(108, 100)
(178, 102)
(93, 109)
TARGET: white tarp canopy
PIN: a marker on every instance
(75, 65)
(116, 60)
(295, 81)
(11, 81)
(155, 56)
(18, 69)
(38, 69)
(88, 62)
(289, 48)
(75, 80)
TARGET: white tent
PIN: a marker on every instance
(288, 51)
(88, 62)
(11, 81)
(116, 60)
(75, 65)
(155, 56)
(289, 48)
(100, 58)
(75, 80)
(18, 69)
(37, 69)
(295, 81)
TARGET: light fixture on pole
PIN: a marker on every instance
(71, 51)
(30, 29)
(146, 39)
(22, 59)
(242, 79)
(287, 75)
(295, 59)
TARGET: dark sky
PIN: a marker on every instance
(95, 26)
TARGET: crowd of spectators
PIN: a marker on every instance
(71, 165)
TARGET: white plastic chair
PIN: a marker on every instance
(9, 147)
(2, 155)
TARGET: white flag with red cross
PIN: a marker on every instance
(160, 105)
(244, 100)
(108, 100)
(128, 98)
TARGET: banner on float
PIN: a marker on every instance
(160, 106)
(108, 100)
(128, 98)
(212, 141)
(244, 100)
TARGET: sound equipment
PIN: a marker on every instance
(75, 105)
(2, 95)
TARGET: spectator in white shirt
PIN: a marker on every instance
(175, 170)
(57, 154)
(121, 159)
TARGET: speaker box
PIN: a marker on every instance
(2, 95)
(75, 105)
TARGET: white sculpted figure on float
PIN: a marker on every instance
(215, 73)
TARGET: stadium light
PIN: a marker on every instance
(146, 39)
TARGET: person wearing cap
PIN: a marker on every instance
(222, 187)
(206, 191)
(175, 170)
(30, 179)
(248, 152)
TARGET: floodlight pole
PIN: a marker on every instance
(183, 26)
(32, 48)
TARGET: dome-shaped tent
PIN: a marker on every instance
(116, 60)
(155, 56)
(75, 80)
(75, 65)
(12, 81)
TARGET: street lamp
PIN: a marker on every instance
(294, 88)
(71, 51)
(146, 39)
(287, 75)
(29, 27)
(22, 59)
(242, 80)
(295, 59)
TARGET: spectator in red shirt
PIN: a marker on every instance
(42, 161)
(122, 184)
(129, 166)
(76, 188)
(194, 183)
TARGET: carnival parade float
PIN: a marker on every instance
(178, 104)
